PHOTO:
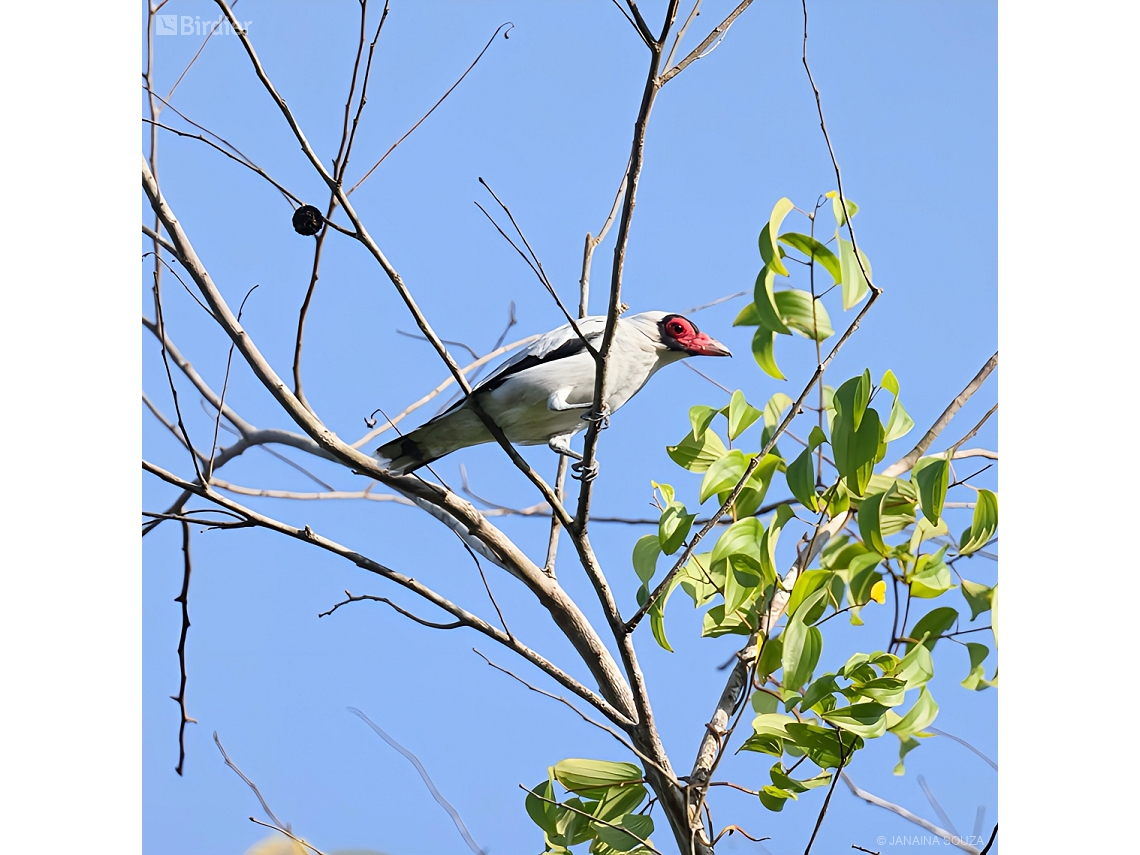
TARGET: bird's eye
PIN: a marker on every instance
(676, 328)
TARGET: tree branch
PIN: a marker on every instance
(699, 51)
(908, 460)
(307, 535)
(907, 815)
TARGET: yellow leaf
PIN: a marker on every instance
(879, 592)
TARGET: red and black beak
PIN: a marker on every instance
(704, 345)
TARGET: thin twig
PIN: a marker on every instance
(222, 397)
(591, 817)
(443, 98)
(264, 804)
(830, 790)
(288, 834)
(907, 815)
(183, 600)
(354, 598)
(307, 535)
(698, 52)
(435, 793)
(629, 746)
(912, 456)
(963, 742)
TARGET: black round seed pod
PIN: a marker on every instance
(307, 220)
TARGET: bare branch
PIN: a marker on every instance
(907, 815)
(353, 598)
(912, 456)
(668, 774)
(435, 793)
(443, 98)
(183, 599)
(248, 164)
(307, 535)
(264, 804)
(699, 51)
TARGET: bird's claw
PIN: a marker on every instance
(602, 419)
(584, 473)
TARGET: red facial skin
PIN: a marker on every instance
(696, 343)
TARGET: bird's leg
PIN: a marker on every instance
(602, 418)
(561, 445)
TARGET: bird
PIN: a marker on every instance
(544, 393)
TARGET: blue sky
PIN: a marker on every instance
(910, 95)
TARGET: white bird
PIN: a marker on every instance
(542, 394)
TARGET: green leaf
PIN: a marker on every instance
(976, 679)
(657, 613)
(700, 417)
(741, 415)
(752, 496)
(852, 397)
(771, 656)
(807, 583)
(920, 716)
(768, 249)
(697, 455)
(905, 747)
(916, 668)
(870, 527)
(749, 317)
(578, 775)
(618, 801)
(674, 527)
(977, 596)
(802, 645)
(764, 299)
(723, 474)
(931, 475)
(837, 207)
(774, 798)
(544, 814)
(799, 311)
(774, 409)
(645, 554)
(764, 702)
(666, 490)
(801, 480)
(984, 524)
(818, 690)
(639, 826)
(742, 537)
(764, 352)
(935, 623)
(742, 582)
(812, 248)
(888, 691)
(855, 286)
(868, 720)
(899, 423)
(772, 724)
(771, 535)
(931, 576)
(822, 745)
(718, 622)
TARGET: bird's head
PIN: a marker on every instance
(677, 332)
